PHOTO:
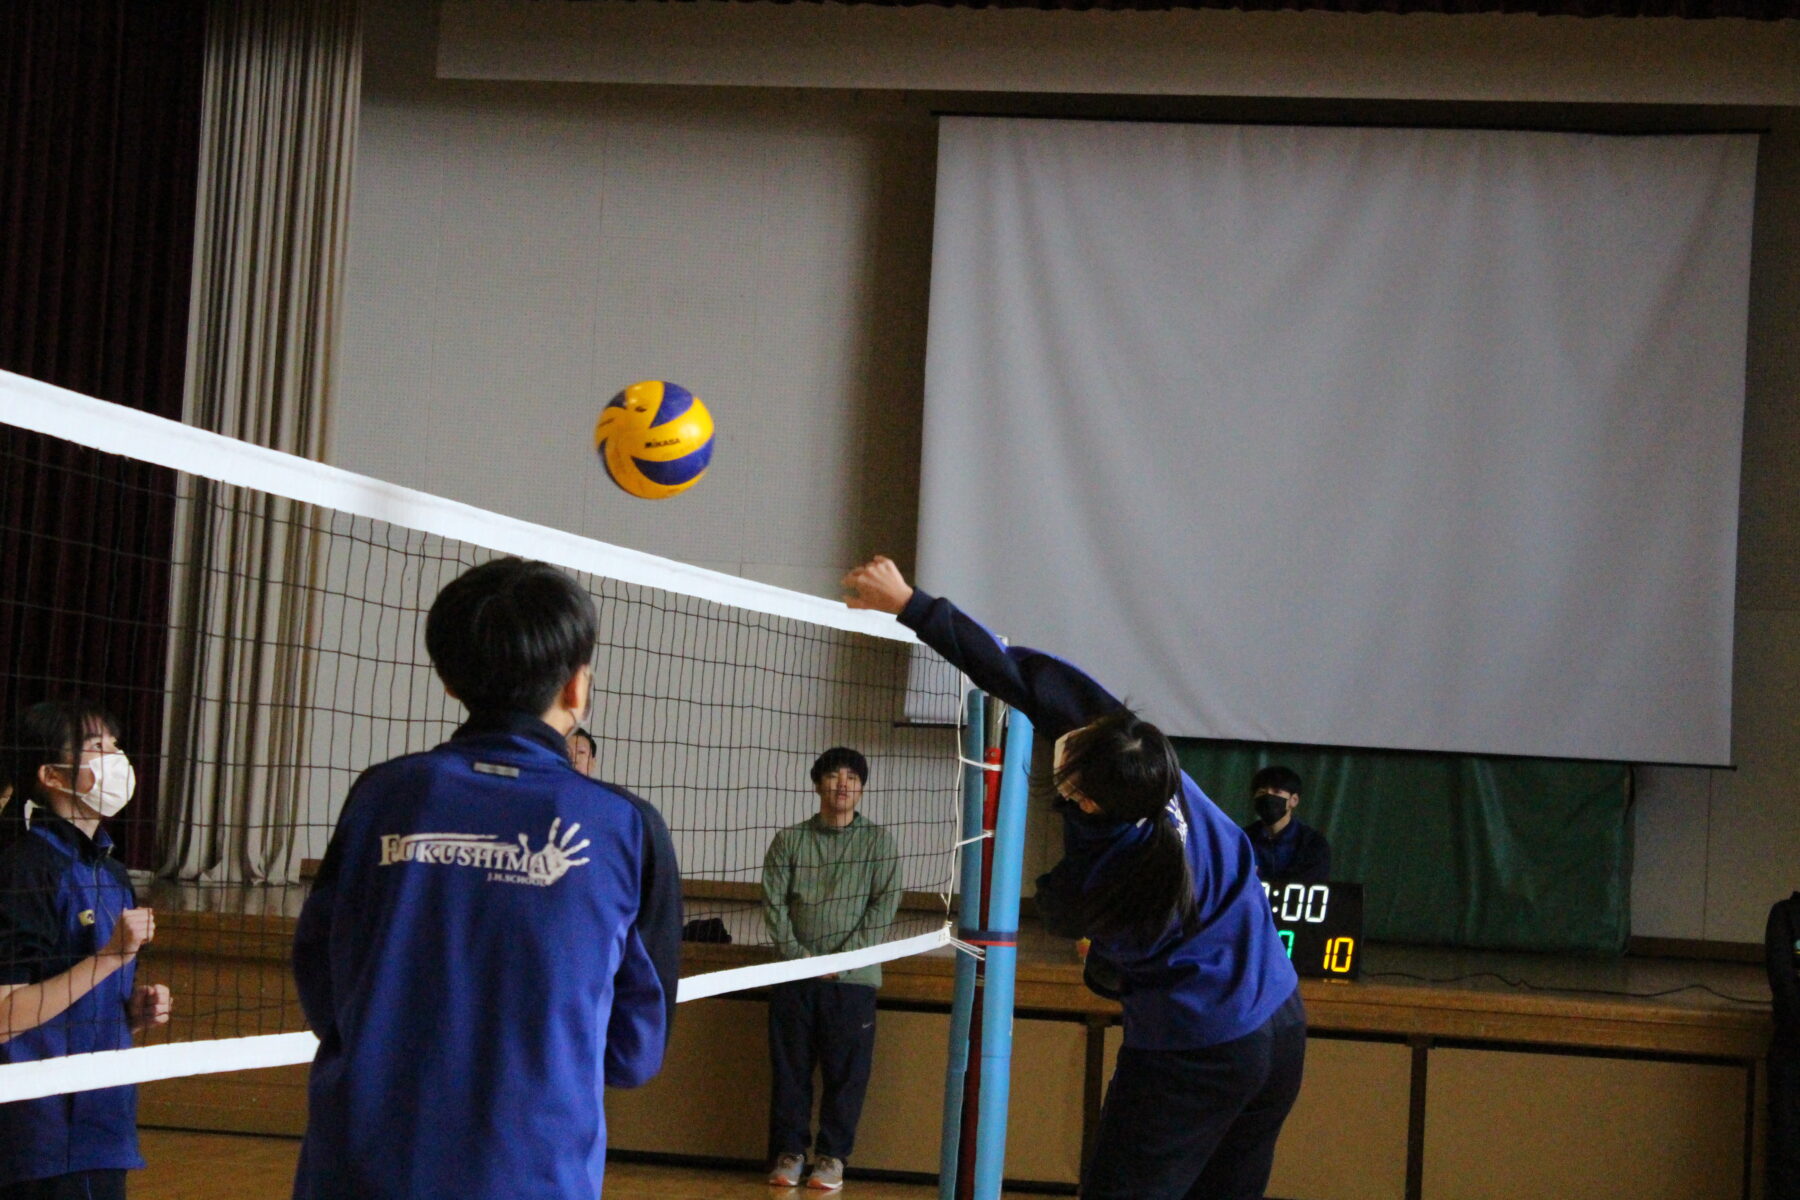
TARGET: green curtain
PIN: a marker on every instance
(1456, 850)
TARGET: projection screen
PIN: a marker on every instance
(1409, 438)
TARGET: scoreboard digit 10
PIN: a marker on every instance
(1321, 926)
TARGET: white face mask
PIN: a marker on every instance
(114, 783)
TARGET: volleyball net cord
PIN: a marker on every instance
(253, 623)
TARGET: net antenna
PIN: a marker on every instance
(269, 647)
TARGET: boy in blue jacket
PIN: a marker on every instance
(493, 938)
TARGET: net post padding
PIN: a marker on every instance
(1002, 959)
(962, 1002)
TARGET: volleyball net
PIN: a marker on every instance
(252, 626)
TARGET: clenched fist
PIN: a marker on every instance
(150, 1005)
(135, 927)
(877, 584)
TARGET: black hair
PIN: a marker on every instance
(584, 735)
(49, 733)
(508, 635)
(1275, 779)
(840, 756)
(1128, 768)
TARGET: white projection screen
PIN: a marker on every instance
(1408, 438)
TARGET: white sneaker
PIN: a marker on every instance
(788, 1169)
(827, 1174)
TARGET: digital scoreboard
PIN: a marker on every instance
(1321, 926)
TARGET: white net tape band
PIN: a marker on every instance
(43, 408)
(698, 987)
(142, 1064)
(146, 1064)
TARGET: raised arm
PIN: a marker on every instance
(1056, 695)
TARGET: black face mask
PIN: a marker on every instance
(1270, 808)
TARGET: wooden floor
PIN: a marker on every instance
(226, 1166)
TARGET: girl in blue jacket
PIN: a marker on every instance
(1165, 885)
(70, 932)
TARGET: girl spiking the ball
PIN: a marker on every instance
(1165, 885)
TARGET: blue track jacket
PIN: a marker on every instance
(1214, 979)
(492, 940)
(61, 893)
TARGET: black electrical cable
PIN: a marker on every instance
(1527, 985)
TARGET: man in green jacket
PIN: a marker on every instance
(830, 883)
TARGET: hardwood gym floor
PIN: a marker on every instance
(229, 1166)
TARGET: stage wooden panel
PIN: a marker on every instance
(1346, 1138)
(711, 1101)
(1621, 1127)
(1441, 1073)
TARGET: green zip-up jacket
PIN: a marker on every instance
(828, 889)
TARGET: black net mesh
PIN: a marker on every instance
(252, 655)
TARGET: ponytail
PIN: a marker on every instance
(1142, 894)
(1128, 768)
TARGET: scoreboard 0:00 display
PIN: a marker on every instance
(1321, 926)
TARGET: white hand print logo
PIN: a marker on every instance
(556, 858)
(504, 862)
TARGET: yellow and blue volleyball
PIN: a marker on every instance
(655, 439)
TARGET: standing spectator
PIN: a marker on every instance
(830, 883)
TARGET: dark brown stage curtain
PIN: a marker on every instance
(99, 154)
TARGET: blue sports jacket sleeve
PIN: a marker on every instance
(312, 937)
(1058, 696)
(649, 974)
(637, 1033)
(659, 907)
(1059, 896)
(312, 941)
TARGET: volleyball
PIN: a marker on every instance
(654, 439)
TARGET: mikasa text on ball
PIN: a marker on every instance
(655, 439)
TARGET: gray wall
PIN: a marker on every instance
(520, 250)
